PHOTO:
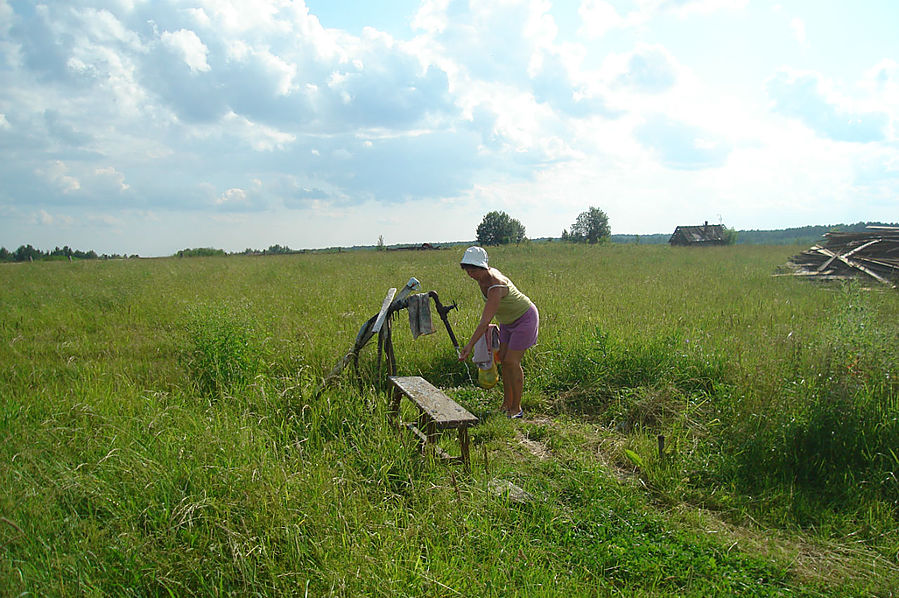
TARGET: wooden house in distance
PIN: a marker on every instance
(707, 234)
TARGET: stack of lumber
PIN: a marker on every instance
(872, 253)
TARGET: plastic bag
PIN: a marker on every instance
(488, 378)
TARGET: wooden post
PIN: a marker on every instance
(661, 440)
(393, 412)
(391, 356)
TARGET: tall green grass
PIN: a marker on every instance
(162, 430)
(830, 435)
(226, 351)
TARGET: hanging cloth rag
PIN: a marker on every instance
(419, 308)
(482, 352)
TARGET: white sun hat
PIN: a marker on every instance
(475, 256)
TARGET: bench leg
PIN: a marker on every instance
(423, 427)
(463, 445)
(432, 432)
(393, 412)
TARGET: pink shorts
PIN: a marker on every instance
(522, 333)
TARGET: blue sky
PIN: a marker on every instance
(131, 126)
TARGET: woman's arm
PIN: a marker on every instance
(493, 298)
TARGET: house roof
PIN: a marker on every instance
(704, 233)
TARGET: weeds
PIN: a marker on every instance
(224, 352)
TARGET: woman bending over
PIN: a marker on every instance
(518, 319)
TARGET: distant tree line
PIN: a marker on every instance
(213, 252)
(497, 228)
(27, 253)
(801, 235)
(201, 252)
(272, 250)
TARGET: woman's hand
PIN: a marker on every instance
(464, 352)
(493, 298)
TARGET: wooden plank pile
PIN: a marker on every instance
(872, 253)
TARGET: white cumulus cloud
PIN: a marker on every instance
(598, 17)
(57, 174)
(798, 27)
(189, 46)
(114, 176)
(810, 99)
(232, 196)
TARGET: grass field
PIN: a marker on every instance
(162, 430)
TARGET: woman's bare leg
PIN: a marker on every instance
(513, 380)
(503, 349)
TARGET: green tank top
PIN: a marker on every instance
(512, 306)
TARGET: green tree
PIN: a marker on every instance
(730, 236)
(591, 226)
(27, 253)
(497, 228)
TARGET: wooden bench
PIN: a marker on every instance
(437, 412)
